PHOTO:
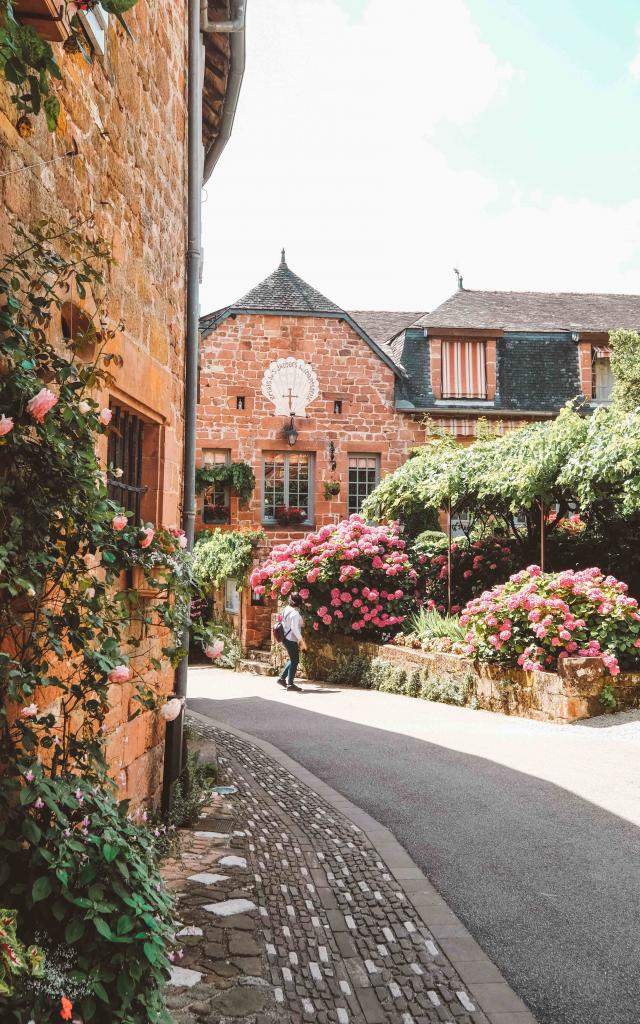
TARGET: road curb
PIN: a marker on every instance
(484, 981)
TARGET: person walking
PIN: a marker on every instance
(292, 634)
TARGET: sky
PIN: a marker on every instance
(383, 144)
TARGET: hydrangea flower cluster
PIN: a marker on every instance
(537, 619)
(475, 565)
(352, 578)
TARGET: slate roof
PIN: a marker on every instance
(383, 325)
(286, 293)
(535, 311)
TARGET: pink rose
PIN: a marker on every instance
(39, 405)
(304, 593)
(119, 522)
(120, 674)
(327, 620)
(30, 711)
(149, 534)
(215, 649)
(171, 709)
(6, 424)
(105, 416)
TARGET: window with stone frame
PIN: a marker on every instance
(133, 459)
(216, 499)
(602, 376)
(287, 488)
(364, 475)
(464, 369)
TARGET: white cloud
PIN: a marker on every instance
(334, 154)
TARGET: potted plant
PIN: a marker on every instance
(331, 489)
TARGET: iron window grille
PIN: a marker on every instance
(126, 437)
(364, 474)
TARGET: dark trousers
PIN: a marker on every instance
(289, 670)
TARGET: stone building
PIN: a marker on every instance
(321, 402)
(119, 159)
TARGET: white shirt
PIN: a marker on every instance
(292, 623)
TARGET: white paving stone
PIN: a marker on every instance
(466, 1002)
(316, 973)
(433, 997)
(307, 1006)
(345, 988)
(350, 922)
(182, 977)
(395, 990)
(206, 879)
(228, 907)
(431, 946)
(279, 994)
(189, 930)
(211, 835)
(343, 1016)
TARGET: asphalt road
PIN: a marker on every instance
(529, 832)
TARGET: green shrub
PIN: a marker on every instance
(389, 678)
(220, 555)
(351, 670)
(82, 874)
(192, 791)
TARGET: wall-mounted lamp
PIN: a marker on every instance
(290, 431)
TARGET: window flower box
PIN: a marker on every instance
(216, 513)
(290, 515)
(46, 17)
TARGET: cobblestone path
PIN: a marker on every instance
(341, 938)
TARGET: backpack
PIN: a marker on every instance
(278, 632)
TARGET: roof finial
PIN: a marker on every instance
(459, 276)
(283, 261)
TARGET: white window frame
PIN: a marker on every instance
(95, 25)
(600, 363)
(232, 596)
(361, 455)
(267, 521)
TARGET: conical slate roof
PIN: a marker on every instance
(284, 291)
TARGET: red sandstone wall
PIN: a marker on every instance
(132, 180)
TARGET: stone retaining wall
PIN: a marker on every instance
(571, 694)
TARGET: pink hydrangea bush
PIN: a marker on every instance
(354, 578)
(536, 619)
(475, 566)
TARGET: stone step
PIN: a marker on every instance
(259, 655)
(258, 668)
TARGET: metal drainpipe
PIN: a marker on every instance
(197, 21)
(174, 735)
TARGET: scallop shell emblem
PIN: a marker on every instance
(291, 385)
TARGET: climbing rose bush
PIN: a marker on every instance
(353, 578)
(536, 619)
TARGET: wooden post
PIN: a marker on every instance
(542, 528)
(449, 561)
